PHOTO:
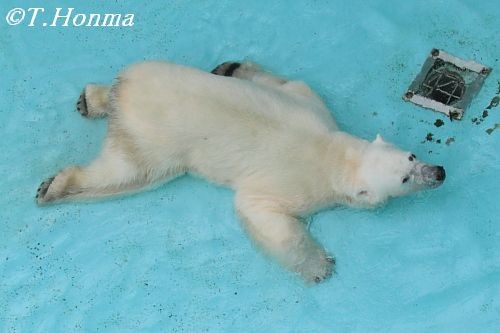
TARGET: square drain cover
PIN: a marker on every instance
(446, 84)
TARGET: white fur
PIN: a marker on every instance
(272, 140)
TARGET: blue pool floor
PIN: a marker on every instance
(175, 259)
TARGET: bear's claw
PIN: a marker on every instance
(81, 105)
(42, 190)
(328, 273)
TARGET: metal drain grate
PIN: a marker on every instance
(442, 85)
(446, 84)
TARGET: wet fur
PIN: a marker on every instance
(270, 139)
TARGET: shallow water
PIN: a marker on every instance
(175, 259)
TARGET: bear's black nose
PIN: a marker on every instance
(440, 173)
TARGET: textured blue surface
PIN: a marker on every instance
(175, 259)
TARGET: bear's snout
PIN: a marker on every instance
(440, 173)
(433, 175)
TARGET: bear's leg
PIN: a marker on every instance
(112, 173)
(94, 101)
(253, 72)
(285, 238)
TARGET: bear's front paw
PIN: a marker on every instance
(317, 267)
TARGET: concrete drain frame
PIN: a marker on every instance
(446, 84)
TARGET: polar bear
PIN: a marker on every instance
(270, 139)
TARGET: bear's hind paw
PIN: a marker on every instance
(226, 69)
(81, 105)
(42, 190)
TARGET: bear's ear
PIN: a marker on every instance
(379, 139)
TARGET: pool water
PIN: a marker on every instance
(175, 259)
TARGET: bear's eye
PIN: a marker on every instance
(412, 157)
(407, 178)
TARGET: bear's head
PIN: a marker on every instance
(385, 171)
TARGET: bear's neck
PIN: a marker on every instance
(342, 161)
